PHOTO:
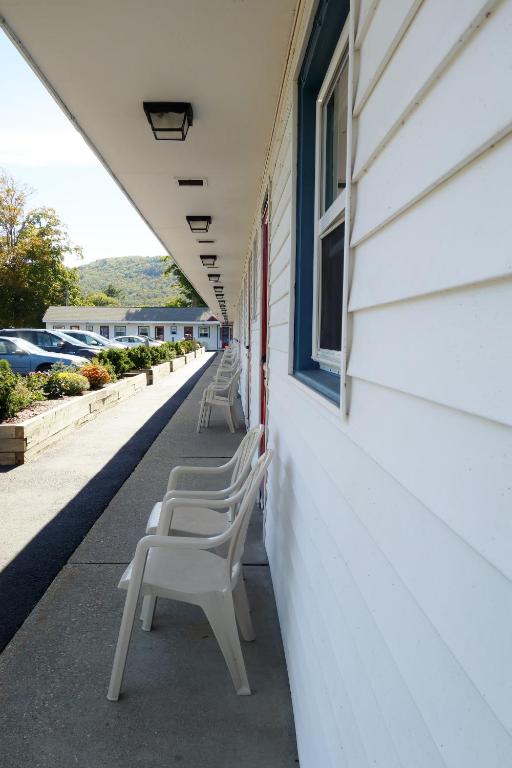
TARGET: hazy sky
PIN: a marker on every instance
(40, 147)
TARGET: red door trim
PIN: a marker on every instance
(264, 317)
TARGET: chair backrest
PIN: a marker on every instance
(233, 386)
(237, 532)
(245, 452)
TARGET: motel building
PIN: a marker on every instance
(342, 170)
(160, 323)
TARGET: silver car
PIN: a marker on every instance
(135, 341)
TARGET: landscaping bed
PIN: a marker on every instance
(21, 441)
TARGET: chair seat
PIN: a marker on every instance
(190, 521)
(190, 571)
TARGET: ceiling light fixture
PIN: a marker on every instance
(214, 277)
(208, 261)
(199, 223)
(169, 120)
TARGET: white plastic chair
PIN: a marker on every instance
(222, 395)
(238, 466)
(190, 570)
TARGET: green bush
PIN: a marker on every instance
(35, 382)
(63, 368)
(118, 358)
(140, 357)
(15, 395)
(155, 355)
(167, 351)
(63, 383)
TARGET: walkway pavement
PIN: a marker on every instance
(178, 707)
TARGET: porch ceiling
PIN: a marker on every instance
(103, 58)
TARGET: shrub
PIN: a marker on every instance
(167, 351)
(35, 382)
(63, 383)
(155, 355)
(118, 358)
(96, 374)
(107, 365)
(63, 368)
(140, 357)
(14, 392)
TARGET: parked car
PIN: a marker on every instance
(92, 339)
(51, 341)
(134, 341)
(24, 357)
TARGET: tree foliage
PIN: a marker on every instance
(187, 292)
(99, 299)
(139, 280)
(33, 244)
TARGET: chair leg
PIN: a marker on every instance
(148, 612)
(229, 419)
(234, 416)
(242, 610)
(123, 641)
(220, 612)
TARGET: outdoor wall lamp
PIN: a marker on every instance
(218, 288)
(199, 223)
(169, 120)
(214, 277)
(208, 261)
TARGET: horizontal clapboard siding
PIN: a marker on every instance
(389, 532)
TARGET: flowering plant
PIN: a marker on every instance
(96, 374)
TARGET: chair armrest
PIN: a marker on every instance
(181, 470)
(168, 507)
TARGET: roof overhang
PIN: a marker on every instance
(101, 59)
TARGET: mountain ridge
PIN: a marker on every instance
(140, 278)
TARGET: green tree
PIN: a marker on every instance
(186, 291)
(99, 299)
(113, 292)
(33, 245)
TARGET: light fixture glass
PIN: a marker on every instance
(214, 277)
(199, 223)
(208, 261)
(169, 120)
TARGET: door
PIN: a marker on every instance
(264, 331)
(188, 332)
(159, 332)
(104, 331)
(18, 359)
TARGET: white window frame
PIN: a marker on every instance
(200, 332)
(89, 327)
(119, 334)
(326, 222)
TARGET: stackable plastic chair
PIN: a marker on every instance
(236, 470)
(208, 517)
(192, 570)
(222, 395)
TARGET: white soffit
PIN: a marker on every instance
(103, 58)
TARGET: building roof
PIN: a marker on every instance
(73, 314)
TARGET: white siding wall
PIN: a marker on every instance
(389, 534)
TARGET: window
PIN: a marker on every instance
(7, 347)
(104, 331)
(119, 330)
(74, 327)
(58, 326)
(89, 327)
(204, 332)
(174, 329)
(188, 332)
(143, 330)
(323, 99)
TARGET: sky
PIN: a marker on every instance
(40, 148)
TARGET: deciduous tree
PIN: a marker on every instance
(33, 245)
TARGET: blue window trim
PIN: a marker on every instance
(327, 28)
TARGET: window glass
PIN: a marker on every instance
(331, 288)
(204, 331)
(7, 347)
(89, 327)
(334, 117)
(47, 340)
(143, 330)
(119, 330)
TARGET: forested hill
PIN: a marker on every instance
(140, 278)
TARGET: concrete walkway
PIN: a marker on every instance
(179, 706)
